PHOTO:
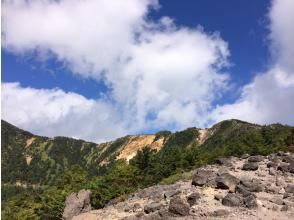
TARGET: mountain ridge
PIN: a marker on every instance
(42, 171)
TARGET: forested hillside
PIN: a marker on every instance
(39, 172)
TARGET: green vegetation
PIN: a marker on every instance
(62, 165)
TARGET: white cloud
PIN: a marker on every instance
(55, 113)
(269, 97)
(159, 74)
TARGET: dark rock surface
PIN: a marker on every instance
(179, 207)
(77, 203)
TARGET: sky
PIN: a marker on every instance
(101, 69)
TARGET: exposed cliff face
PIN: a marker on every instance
(227, 190)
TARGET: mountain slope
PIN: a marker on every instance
(27, 158)
(63, 165)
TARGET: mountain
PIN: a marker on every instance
(43, 171)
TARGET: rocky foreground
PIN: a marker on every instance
(251, 187)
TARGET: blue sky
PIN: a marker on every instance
(98, 81)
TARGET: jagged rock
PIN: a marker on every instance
(272, 189)
(242, 190)
(137, 207)
(152, 207)
(290, 188)
(170, 194)
(250, 202)
(245, 156)
(227, 181)
(193, 198)
(277, 201)
(284, 167)
(272, 164)
(179, 207)
(252, 185)
(77, 203)
(220, 212)
(223, 161)
(291, 167)
(257, 158)
(287, 159)
(203, 177)
(232, 200)
(250, 166)
(275, 208)
(286, 195)
(284, 208)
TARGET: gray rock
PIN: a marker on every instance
(250, 202)
(252, 185)
(272, 189)
(220, 212)
(250, 166)
(179, 207)
(77, 203)
(193, 198)
(289, 188)
(272, 164)
(245, 156)
(227, 181)
(277, 201)
(286, 195)
(170, 194)
(272, 171)
(232, 200)
(204, 177)
(152, 207)
(284, 208)
(243, 190)
(257, 158)
(223, 161)
(218, 197)
(284, 167)
(137, 208)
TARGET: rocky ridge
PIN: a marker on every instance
(251, 187)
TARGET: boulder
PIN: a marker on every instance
(193, 198)
(284, 167)
(220, 212)
(203, 177)
(218, 197)
(250, 166)
(179, 207)
(289, 188)
(272, 164)
(252, 185)
(77, 203)
(223, 161)
(137, 207)
(152, 207)
(257, 158)
(284, 208)
(245, 156)
(250, 202)
(172, 193)
(227, 181)
(232, 200)
(243, 190)
(277, 201)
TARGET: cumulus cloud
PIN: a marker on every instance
(159, 75)
(269, 97)
(54, 112)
